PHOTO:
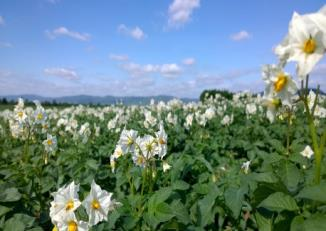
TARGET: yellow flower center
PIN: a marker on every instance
(39, 116)
(280, 82)
(130, 141)
(119, 152)
(309, 46)
(149, 147)
(95, 204)
(162, 141)
(69, 205)
(55, 228)
(276, 102)
(72, 226)
(140, 160)
(49, 142)
(20, 114)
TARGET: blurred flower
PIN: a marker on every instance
(245, 166)
(166, 166)
(227, 120)
(50, 144)
(307, 152)
(127, 140)
(161, 138)
(272, 105)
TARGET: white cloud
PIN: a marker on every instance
(170, 70)
(63, 31)
(2, 21)
(166, 70)
(119, 57)
(136, 33)
(5, 45)
(189, 61)
(241, 35)
(5, 73)
(180, 12)
(61, 72)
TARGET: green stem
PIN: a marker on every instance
(288, 133)
(26, 146)
(313, 134)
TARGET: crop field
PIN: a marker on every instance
(231, 161)
(217, 165)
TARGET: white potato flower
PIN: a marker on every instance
(70, 223)
(161, 138)
(305, 42)
(50, 144)
(97, 204)
(245, 166)
(127, 140)
(65, 202)
(307, 152)
(227, 120)
(272, 105)
(278, 84)
(166, 166)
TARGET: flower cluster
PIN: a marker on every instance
(26, 122)
(305, 44)
(143, 149)
(66, 201)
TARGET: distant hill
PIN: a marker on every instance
(103, 100)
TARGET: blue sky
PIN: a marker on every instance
(143, 47)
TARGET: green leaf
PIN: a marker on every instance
(278, 202)
(163, 212)
(206, 163)
(180, 211)
(180, 185)
(297, 224)
(92, 164)
(316, 192)
(277, 145)
(206, 207)
(234, 199)
(10, 195)
(264, 223)
(4, 210)
(159, 197)
(267, 177)
(315, 223)
(35, 229)
(290, 175)
(14, 225)
(27, 220)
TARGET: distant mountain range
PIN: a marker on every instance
(103, 100)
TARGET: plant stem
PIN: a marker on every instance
(288, 132)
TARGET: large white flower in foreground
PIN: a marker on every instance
(70, 223)
(305, 43)
(97, 204)
(278, 84)
(65, 202)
